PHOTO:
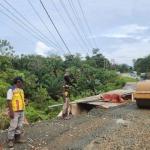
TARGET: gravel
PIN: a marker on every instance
(122, 128)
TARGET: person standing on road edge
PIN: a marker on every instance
(66, 95)
(16, 107)
(66, 106)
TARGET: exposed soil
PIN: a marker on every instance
(121, 128)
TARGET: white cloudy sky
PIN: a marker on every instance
(120, 28)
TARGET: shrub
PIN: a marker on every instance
(34, 115)
(4, 120)
(3, 88)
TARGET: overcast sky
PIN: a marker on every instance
(119, 28)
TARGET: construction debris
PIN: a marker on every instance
(104, 100)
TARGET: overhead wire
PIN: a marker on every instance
(74, 25)
(65, 23)
(86, 22)
(15, 31)
(20, 25)
(51, 20)
(42, 21)
(77, 17)
(27, 23)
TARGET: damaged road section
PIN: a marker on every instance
(125, 127)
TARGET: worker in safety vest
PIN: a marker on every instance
(16, 106)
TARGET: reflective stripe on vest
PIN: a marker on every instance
(18, 103)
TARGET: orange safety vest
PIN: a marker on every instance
(18, 103)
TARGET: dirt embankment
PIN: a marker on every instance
(121, 128)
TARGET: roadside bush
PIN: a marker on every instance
(3, 102)
(4, 120)
(3, 88)
(34, 115)
(40, 97)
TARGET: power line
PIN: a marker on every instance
(32, 27)
(74, 25)
(15, 31)
(55, 26)
(21, 26)
(75, 12)
(65, 23)
(84, 26)
(44, 24)
(86, 22)
(27, 23)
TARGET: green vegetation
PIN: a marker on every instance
(43, 78)
(124, 68)
(142, 65)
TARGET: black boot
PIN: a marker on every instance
(10, 143)
(19, 138)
